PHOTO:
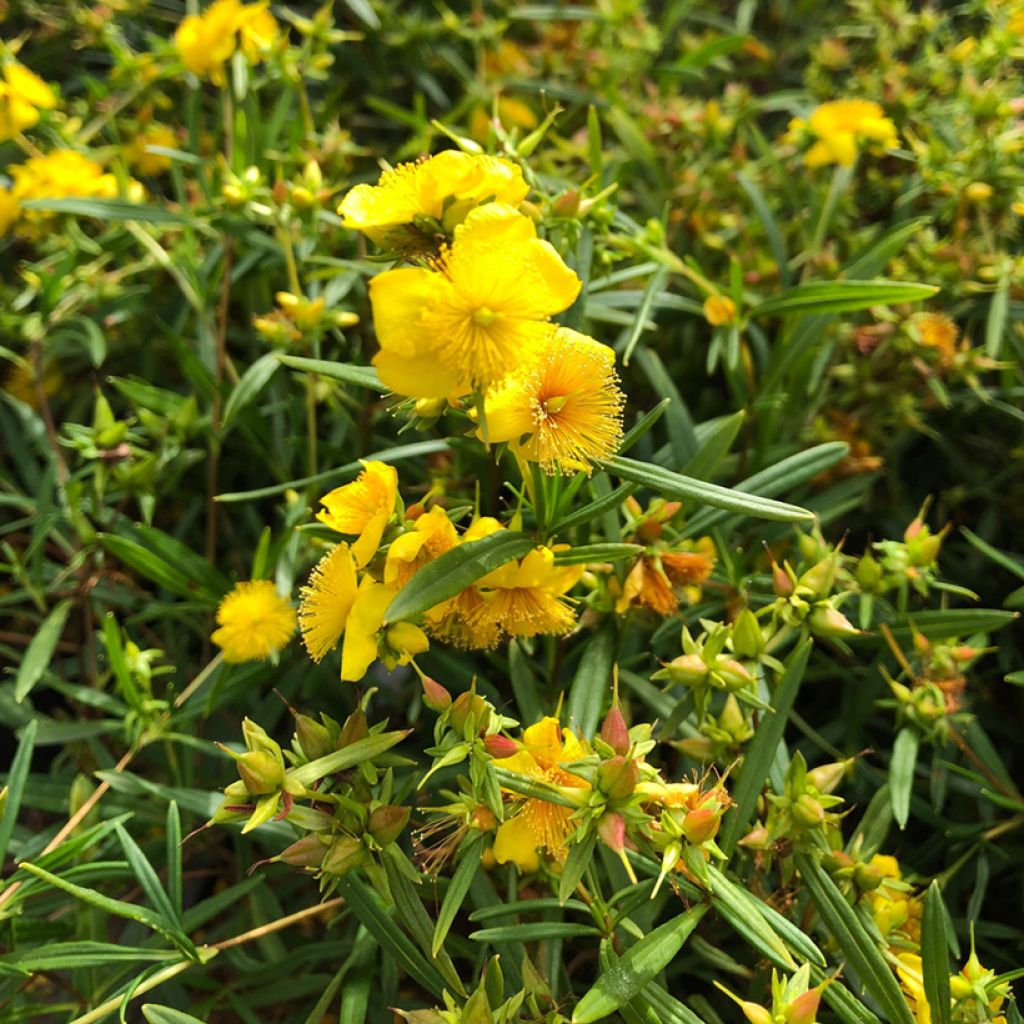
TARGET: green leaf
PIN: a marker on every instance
(771, 228)
(156, 1014)
(856, 944)
(587, 553)
(1011, 563)
(935, 955)
(67, 956)
(680, 425)
(701, 56)
(360, 376)
(901, 773)
(252, 382)
(995, 326)
(594, 509)
(16, 785)
(580, 854)
(841, 297)
(673, 485)
(638, 967)
(715, 446)
(762, 749)
(591, 686)
(107, 209)
(456, 570)
(643, 425)
(348, 757)
(654, 285)
(743, 912)
(538, 931)
(944, 623)
(848, 1008)
(462, 879)
(39, 652)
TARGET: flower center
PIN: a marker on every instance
(484, 317)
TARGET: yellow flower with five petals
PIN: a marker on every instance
(363, 508)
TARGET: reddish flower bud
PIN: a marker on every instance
(612, 830)
(386, 823)
(614, 731)
(701, 824)
(804, 1009)
(782, 583)
(308, 852)
(435, 696)
(500, 746)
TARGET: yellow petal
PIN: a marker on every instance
(544, 740)
(359, 649)
(516, 843)
(399, 298)
(419, 376)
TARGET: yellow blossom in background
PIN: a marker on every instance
(22, 95)
(363, 508)
(719, 310)
(255, 621)
(564, 412)
(842, 127)
(537, 825)
(894, 907)
(911, 976)
(937, 331)
(432, 534)
(60, 174)
(205, 42)
(447, 186)
(526, 598)
(10, 209)
(483, 313)
(144, 162)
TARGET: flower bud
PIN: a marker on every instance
(483, 819)
(314, 739)
(469, 705)
(386, 823)
(756, 1014)
(435, 696)
(614, 731)
(345, 854)
(430, 408)
(868, 572)
(826, 777)
(820, 577)
(697, 747)
(719, 310)
(701, 824)
(867, 877)
(807, 811)
(688, 669)
(826, 620)
(261, 773)
(782, 582)
(732, 719)
(960, 987)
(355, 728)
(500, 746)
(804, 1008)
(612, 831)
(617, 778)
(308, 852)
(732, 673)
(747, 638)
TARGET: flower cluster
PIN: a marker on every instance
(23, 94)
(841, 129)
(206, 42)
(473, 316)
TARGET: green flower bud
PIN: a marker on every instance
(469, 705)
(346, 854)
(732, 673)
(355, 728)
(826, 620)
(386, 823)
(747, 637)
(826, 777)
(701, 824)
(807, 811)
(868, 572)
(617, 778)
(261, 773)
(314, 739)
(688, 669)
(308, 852)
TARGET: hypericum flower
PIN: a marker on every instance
(894, 907)
(911, 975)
(719, 310)
(526, 598)
(536, 824)
(937, 331)
(205, 42)
(255, 621)
(363, 508)
(443, 187)
(63, 173)
(563, 412)
(432, 534)
(842, 126)
(325, 602)
(653, 580)
(480, 314)
(137, 154)
(22, 95)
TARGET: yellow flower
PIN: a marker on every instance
(335, 605)
(719, 310)
(22, 95)
(137, 155)
(565, 411)
(10, 209)
(843, 125)
(911, 975)
(205, 42)
(444, 186)
(537, 825)
(431, 535)
(62, 173)
(363, 508)
(255, 621)
(894, 907)
(325, 603)
(939, 332)
(481, 314)
(526, 598)
(258, 32)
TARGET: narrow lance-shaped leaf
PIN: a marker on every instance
(39, 652)
(935, 955)
(348, 757)
(456, 570)
(16, 785)
(457, 889)
(637, 968)
(841, 297)
(901, 773)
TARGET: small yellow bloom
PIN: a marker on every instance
(255, 621)
(564, 412)
(258, 31)
(979, 191)
(22, 95)
(537, 825)
(325, 603)
(526, 598)
(446, 186)
(483, 313)
(842, 126)
(431, 535)
(937, 331)
(205, 42)
(60, 174)
(363, 508)
(719, 310)
(138, 156)
(10, 209)
(911, 974)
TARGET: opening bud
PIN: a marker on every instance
(500, 746)
(435, 696)
(614, 731)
